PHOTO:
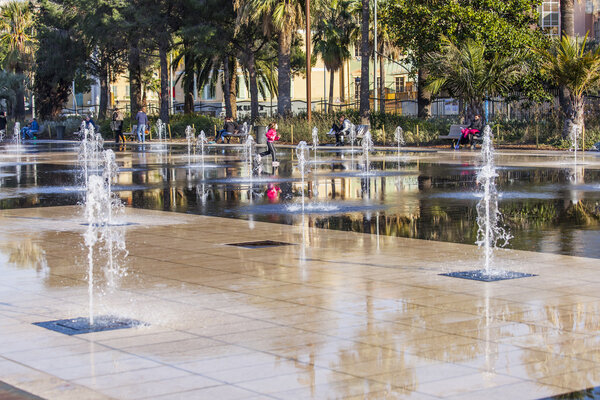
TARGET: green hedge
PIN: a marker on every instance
(416, 131)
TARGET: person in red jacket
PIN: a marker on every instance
(271, 137)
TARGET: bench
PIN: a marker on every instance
(240, 135)
(360, 131)
(454, 134)
(133, 133)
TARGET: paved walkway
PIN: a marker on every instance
(333, 315)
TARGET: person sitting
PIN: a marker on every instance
(469, 133)
(229, 128)
(341, 130)
(30, 130)
(89, 123)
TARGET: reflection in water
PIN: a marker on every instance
(423, 198)
(26, 254)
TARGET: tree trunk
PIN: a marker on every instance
(227, 87)
(342, 84)
(331, 78)
(423, 95)
(579, 111)
(253, 89)
(188, 106)
(19, 105)
(365, 106)
(284, 98)
(233, 87)
(104, 85)
(567, 18)
(164, 82)
(135, 79)
(382, 83)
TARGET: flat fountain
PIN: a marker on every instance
(367, 146)
(190, 139)
(490, 233)
(302, 155)
(103, 238)
(399, 138)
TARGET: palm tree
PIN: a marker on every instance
(386, 49)
(567, 63)
(567, 17)
(467, 73)
(282, 17)
(335, 30)
(365, 54)
(16, 33)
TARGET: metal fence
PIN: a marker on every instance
(497, 108)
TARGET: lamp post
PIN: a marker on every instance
(308, 62)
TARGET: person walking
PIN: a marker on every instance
(271, 137)
(142, 124)
(117, 124)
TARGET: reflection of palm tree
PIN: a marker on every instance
(27, 254)
(388, 358)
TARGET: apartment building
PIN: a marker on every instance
(587, 17)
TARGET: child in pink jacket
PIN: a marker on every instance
(271, 137)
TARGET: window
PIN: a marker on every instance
(208, 92)
(400, 84)
(549, 16)
(357, 49)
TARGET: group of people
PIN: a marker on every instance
(471, 133)
(29, 131)
(116, 124)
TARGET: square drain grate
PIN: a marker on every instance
(82, 325)
(483, 275)
(260, 244)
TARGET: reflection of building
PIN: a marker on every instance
(587, 17)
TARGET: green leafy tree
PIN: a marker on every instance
(465, 72)
(60, 54)
(17, 36)
(569, 64)
(335, 30)
(101, 25)
(503, 26)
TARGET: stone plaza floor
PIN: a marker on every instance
(332, 315)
